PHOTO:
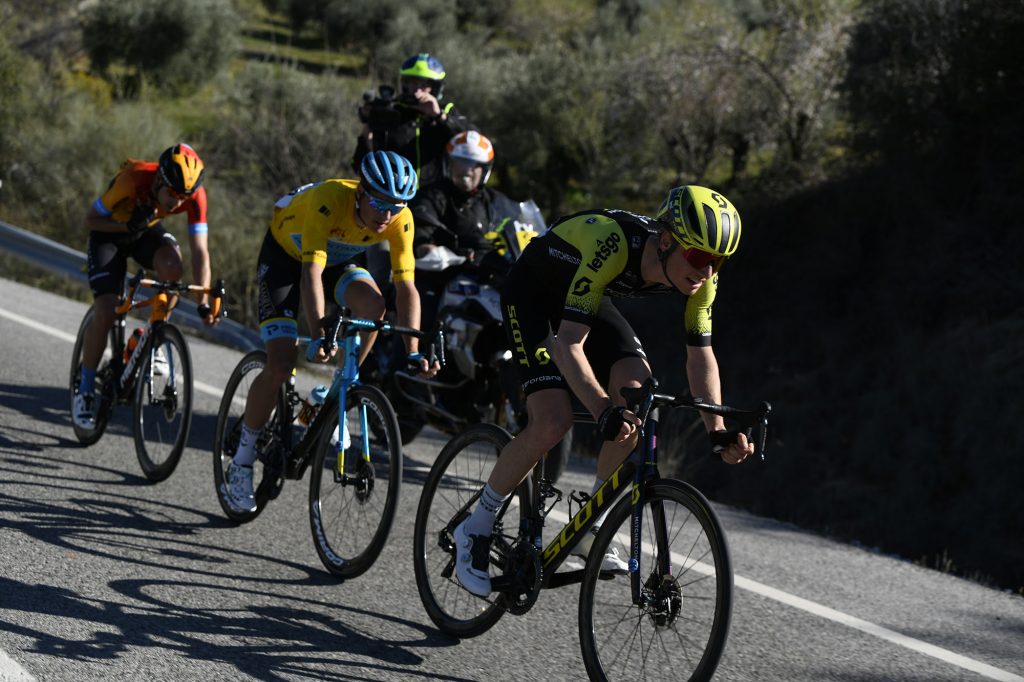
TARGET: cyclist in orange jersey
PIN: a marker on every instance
(127, 221)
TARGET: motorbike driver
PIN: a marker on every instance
(456, 212)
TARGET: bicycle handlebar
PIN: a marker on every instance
(343, 323)
(645, 398)
(217, 293)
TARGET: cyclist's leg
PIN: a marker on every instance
(159, 250)
(618, 360)
(278, 282)
(107, 267)
(355, 289)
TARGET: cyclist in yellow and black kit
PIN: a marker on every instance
(566, 335)
(314, 245)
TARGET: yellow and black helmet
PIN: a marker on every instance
(427, 67)
(701, 218)
(181, 169)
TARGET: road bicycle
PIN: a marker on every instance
(155, 375)
(355, 454)
(666, 618)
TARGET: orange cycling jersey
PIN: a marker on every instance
(316, 223)
(133, 186)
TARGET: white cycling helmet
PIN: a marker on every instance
(472, 146)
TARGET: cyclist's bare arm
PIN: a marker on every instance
(201, 272)
(705, 382)
(566, 349)
(313, 304)
(407, 300)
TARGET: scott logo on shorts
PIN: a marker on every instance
(604, 249)
(517, 337)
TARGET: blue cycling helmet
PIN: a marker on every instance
(389, 174)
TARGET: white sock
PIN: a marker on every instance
(246, 453)
(481, 521)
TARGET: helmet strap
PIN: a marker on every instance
(663, 256)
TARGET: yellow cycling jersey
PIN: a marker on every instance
(316, 223)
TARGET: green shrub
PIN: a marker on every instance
(179, 45)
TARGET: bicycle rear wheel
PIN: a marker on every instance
(163, 402)
(449, 495)
(679, 628)
(104, 387)
(266, 479)
(351, 512)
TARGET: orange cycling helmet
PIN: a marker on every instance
(701, 218)
(181, 169)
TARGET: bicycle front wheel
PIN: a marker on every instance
(163, 403)
(678, 629)
(449, 496)
(352, 507)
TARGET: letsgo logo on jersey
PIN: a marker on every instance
(605, 248)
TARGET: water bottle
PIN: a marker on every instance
(311, 405)
(133, 341)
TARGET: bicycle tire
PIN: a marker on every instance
(162, 405)
(350, 521)
(229, 424)
(103, 373)
(457, 475)
(682, 627)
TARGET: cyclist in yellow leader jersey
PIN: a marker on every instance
(315, 245)
(566, 335)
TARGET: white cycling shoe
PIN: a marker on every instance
(161, 368)
(472, 558)
(240, 495)
(611, 561)
(83, 410)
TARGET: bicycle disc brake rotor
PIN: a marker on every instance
(524, 571)
(170, 402)
(363, 481)
(663, 600)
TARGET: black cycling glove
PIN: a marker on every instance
(720, 440)
(610, 422)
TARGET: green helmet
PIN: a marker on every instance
(427, 67)
(701, 218)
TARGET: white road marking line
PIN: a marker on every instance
(835, 616)
(63, 336)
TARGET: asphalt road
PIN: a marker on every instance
(105, 576)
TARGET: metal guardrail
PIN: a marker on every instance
(67, 262)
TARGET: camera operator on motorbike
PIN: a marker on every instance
(578, 341)
(456, 212)
(315, 245)
(414, 123)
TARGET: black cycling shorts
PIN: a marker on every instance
(108, 254)
(529, 323)
(278, 276)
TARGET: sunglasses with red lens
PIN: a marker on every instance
(701, 259)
